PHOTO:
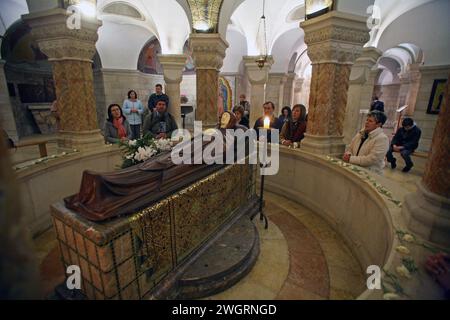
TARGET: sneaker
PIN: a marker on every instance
(394, 164)
(406, 169)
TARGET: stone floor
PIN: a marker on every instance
(301, 258)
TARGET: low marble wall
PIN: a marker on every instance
(46, 183)
(357, 211)
(365, 209)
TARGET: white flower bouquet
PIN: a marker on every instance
(140, 150)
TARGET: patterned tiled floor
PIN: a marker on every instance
(302, 258)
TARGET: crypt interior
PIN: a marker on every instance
(328, 221)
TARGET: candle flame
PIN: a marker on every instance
(266, 123)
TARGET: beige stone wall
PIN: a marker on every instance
(427, 122)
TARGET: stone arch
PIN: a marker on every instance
(398, 81)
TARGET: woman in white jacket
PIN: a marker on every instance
(369, 147)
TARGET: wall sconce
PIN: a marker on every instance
(315, 8)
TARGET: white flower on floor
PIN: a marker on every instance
(403, 249)
(408, 238)
(403, 271)
(391, 296)
(132, 143)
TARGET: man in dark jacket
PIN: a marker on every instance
(158, 95)
(377, 105)
(405, 141)
(160, 124)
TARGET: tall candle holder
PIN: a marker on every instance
(263, 165)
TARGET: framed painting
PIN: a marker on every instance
(437, 96)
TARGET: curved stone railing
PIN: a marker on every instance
(355, 207)
(46, 182)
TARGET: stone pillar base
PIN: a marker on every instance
(324, 145)
(80, 140)
(428, 215)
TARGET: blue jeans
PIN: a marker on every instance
(405, 153)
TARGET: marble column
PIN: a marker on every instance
(258, 79)
(7, 120)
(208, 52)
(70, 53)
(428, 209)
(298, 88)
(409, 89)
(288, 92)
(275, 90)
(360, 91)
(334, 42)
(173, 66)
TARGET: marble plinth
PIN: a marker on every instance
(128, 257)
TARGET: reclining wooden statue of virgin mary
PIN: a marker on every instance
(106, 195)
(131, 229)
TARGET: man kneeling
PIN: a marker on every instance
(406, 141)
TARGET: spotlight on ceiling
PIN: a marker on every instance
(201, 26)
(315, 8)
(87, 8)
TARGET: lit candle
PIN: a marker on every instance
(266, 123)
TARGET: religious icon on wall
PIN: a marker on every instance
(437, 96)
(148, 59)
(225, 93)
(149, 62)
(190, 66)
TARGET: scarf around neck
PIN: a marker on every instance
(121, 131)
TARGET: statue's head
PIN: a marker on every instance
(227, 120)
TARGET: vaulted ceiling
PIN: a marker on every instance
(129, 24)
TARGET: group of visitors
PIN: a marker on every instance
(371, 146)
(368, 148)
(291, 123)
(127, 122)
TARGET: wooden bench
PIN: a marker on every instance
(39, 140)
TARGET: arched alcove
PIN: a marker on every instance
(30, 81)
(398, 80)
(148, 61)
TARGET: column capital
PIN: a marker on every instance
(173, 66)
(290, 76)
(257, 75)
(279, 76)
(58, 41)
(208, 50)
(335, 37)
(364, 65)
